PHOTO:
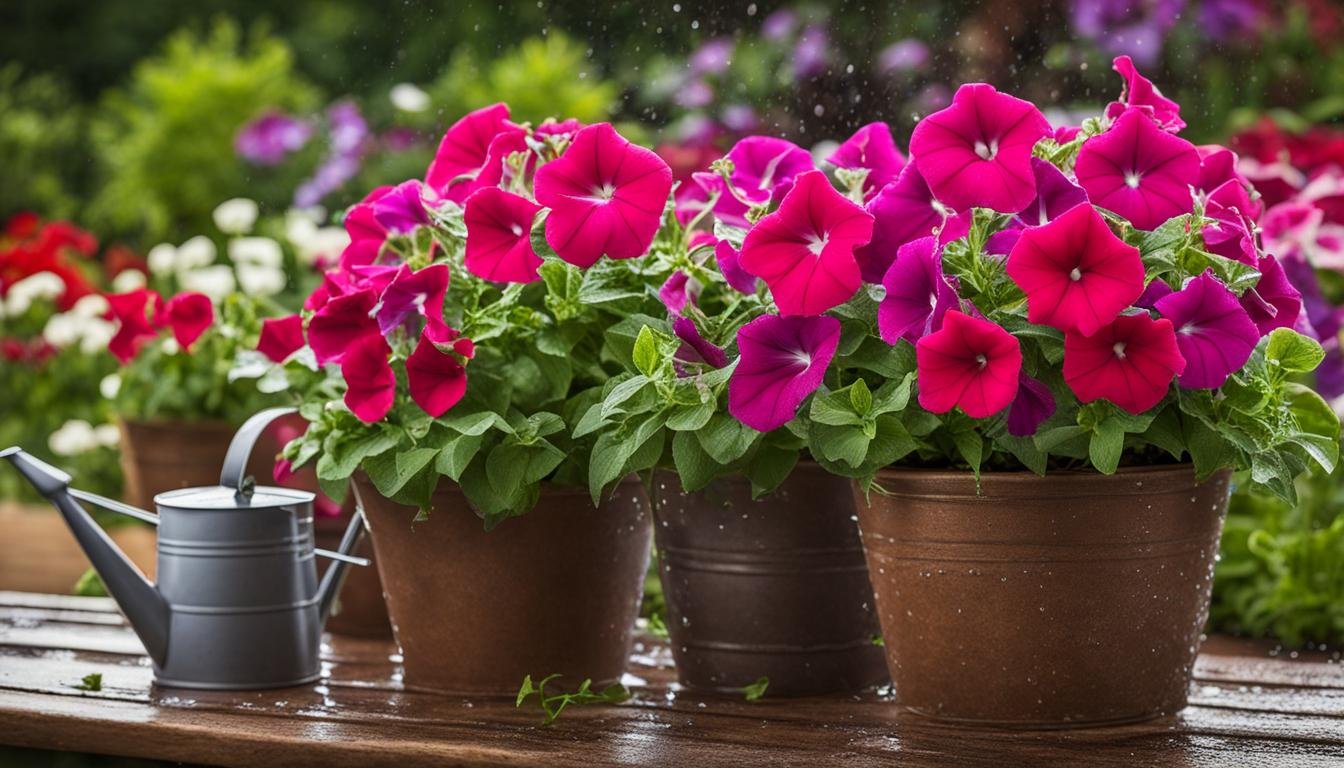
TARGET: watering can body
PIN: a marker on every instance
(238, 604)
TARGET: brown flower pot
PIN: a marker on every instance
(1067, 600)
(554, 591)
(772, 588)
(359, 610)
(158, 456)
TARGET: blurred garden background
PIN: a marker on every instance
(214, 146)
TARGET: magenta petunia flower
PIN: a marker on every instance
(1152, 293)
(280, 337)
(1140, 93)
(1273, 302)
(1139, 171)
(782, 361)
(918, 295)
(269, 139)
(1213, 331)
(1130, 362)
(764, 167)
(969, 363)
(1032, 406)
(499, 236)
(730, 266)
(1055, 195)
(465, 151)
(341, 323)
(413, 292)
(902, 211)
(1076, 273)
(366, 234)
(805, 250)
(189, 315)
(606, 196)
(695, 347)
(1228, 232)
(977, 152)
(873, 148)
(370, 384)
(436, 377)
(677, 291)
(401, 209)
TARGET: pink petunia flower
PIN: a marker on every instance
(902, 211)
(499, 236)
(280, 337)
(783, 360)
(1076, 273)
(413, 292)
(1273, 302)
(366, 234)
(677, 291)
(436, 377)
(370, 384)
(465, 153)
(1213, 331)
(134, 313)
(695, 347)
(1139, 171)
(341, 323)
(977, 152)
(918, 295)
(1032, 406)
(1055, 195)
(873, 148)
(606, 196)
(969, 363)
(189, 315)
(1227, 232)
(805, 250)
(1130, 362)
(730, 266)
(764, 167)
(1140, 93)
(402, 208)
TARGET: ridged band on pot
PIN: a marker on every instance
(159, 456)
(771, 588)
(556, 590)
(1057, 601)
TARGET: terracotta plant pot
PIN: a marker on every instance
(158, 456)
(360, 610)
(772, 588)
(554, 591)
(1067, 600)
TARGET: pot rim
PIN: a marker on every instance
(1127, 481)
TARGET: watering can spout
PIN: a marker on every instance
(144, 607)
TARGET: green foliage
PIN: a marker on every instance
(166, 141)
(754, 691)
(90, 584)
(43, 147)
(553, 704)
(91, 682)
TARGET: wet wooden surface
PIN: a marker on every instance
(1249, 708)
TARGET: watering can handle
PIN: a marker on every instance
(234, 475)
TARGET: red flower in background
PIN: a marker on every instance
(29, 247)
(134, 312)
(188, 315)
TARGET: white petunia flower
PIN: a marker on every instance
(40, 285)
(98, 334)
(107, 435)
(215, 282)
(197, 252)
(62, 330)
(110, 386)
(236, 216)
(73, 438)
(409, 98)
(170, 346)
(256, 280)
(326, 245)
(162, 259)
(128, 280)
(93, 305)
(257, 251)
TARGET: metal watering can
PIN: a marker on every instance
(237, 605)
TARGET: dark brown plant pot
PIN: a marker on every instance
(158, 456)
(359, 610)
(554, 591)
(1043, 602)
(772, 588)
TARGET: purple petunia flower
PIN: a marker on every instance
(1031, 407)
(271, 138)
(918, 295)
(779, 24)
(1213, 331)
(1134, 27)
(906, 55)
(712, 57)
(812, 53)
(783, 360)
(1223, 20)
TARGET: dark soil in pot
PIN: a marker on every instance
(1059, 601)
(772, 588)
(554, 591)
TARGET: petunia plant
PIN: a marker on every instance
(477, 312)
(1015, 295)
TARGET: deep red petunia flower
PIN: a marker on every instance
(370, 383)
(1076, 273)
(189, 315)
(1130, 362)
(976, 153)
(1139, 171)
(783, 360)
(968, 363)
(499, 236)
(606, 196)
(805, 250)
(436, 377)
(134, 312)
(280, 337)
(340, 323)
(465, 154)
(366, 234)
(873, 148)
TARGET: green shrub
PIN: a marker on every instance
(43, 148)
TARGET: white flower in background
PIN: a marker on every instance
(197, 252)
(321, 243)
(162, 259)
(236, 216)
(215, 282)
(98, 334)
(41, 285)
(110, 386)
(107, 434)
(300, 226)
(93, 305)
(170, 346)
(258, 280)
(73, 438)
(128, 280)
(409, 98)
(256, 251)
(63, 330)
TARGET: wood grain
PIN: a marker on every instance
(1248, 708)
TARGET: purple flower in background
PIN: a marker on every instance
(931, 98)
(739, 118)
(347, 126)
(779, 24)
(347, 136)
(400, 139)
(812, 53)
(1134, 27)
(695, 94)
(1223, 20)
(269, 139)
(906, 55)
(712, 57)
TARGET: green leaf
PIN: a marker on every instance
(1208, 449)
(860, 397)
(893, 395)
(835, 408)
(345, 456)
(621, 393)
(607, 462)
(91, 682)
(971, 447)
(456, 454)
(694, 465)
(1292, 351)
(391, 471)
(470, 423)
(726, 439)
(769, 467)
(840, 443)
(756, 690)
(646, 352)
(1106, 445)
(688, 418)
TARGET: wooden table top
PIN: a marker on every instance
(1249, 708)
